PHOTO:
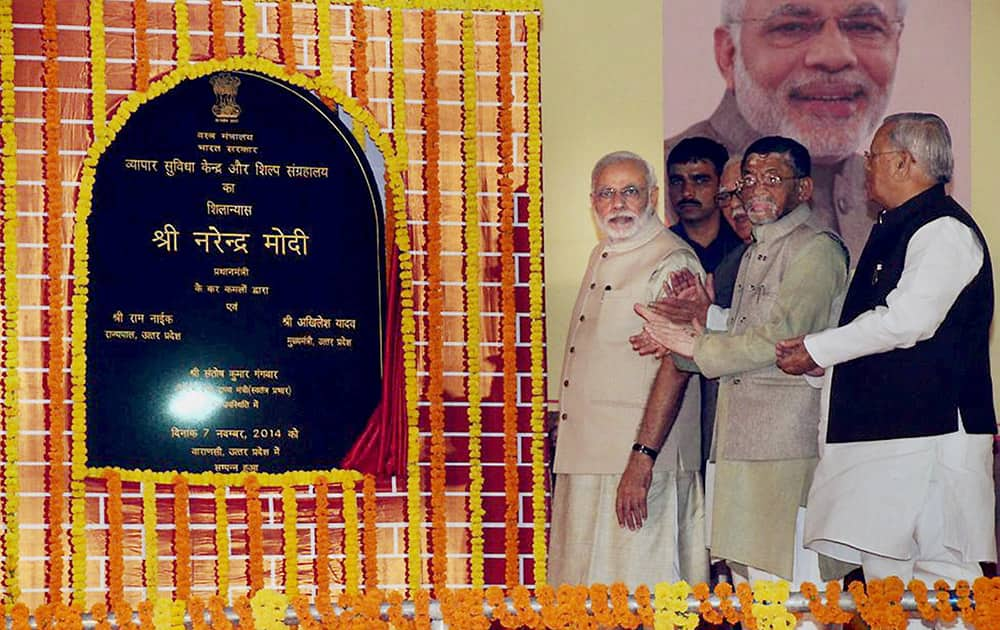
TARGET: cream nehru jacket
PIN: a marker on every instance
(604, 383)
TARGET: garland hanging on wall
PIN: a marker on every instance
(508, 306)
(435, 297)
(535, 280)
(473, 302)
(55, 297)
(11, 301)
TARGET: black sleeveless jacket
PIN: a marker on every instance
(917, 391)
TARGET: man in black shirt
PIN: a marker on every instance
(694, 166)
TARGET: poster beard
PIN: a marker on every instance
(829, 136)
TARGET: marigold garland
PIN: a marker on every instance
(643, 598)
(290, 518)
(141, 17)
(269, 610)
(826, 613)
(924, 608)
(249, 26)
(724, 590)
(196, 608)
(55, 299)
(745, 595)
(670, 606)
(244, 611)
(987, 608)
(221, 541)
(945, 612)
(599, 604)
(322, 562)
(116, 534)
(521, 598)
(769, 605)
(123, 615)
(878, 602)
(11, 299)
(286, 31)
(300, 605)
(216, 608)
(435, 298)
(701, 592)
(255, 534)
(152, 566)
(473, 240)
(498, 605)
(538, 469)
(323, 44)
(359, 59)
(398, 89)
(99, 613)
(395, 612)
(352, 545)
(146, 615)
(508, 330)
(965, 610)
(182, 538)
(182, 27)
(98, 66)
(20, 617)
(369, 537)
(396, 204)
(217, 19)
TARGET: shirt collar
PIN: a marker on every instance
(931, 196)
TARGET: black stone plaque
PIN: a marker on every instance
(236, 283)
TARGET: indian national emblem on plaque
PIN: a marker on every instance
(225, 86)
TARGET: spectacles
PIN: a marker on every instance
(870, 31)
(869, 155)
(723, 197)
(628, 193)
(769, 179)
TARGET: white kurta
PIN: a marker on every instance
(605, 387)
(871, 496)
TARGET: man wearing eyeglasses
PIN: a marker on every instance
(627, 503)
(765, 442)
(818, 71)
(905, 481)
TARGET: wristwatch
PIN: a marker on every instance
(645, 450)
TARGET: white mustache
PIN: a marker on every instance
(626, 213)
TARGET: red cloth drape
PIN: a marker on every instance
(381, 448)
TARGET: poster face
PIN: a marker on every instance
(824, 72)
(235, 303)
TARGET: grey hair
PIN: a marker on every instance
(622, 156)
(734, 160)
(926, 138)
(731, 13)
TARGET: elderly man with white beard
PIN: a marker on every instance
(765, 444)
(627, 504)
(817, 71)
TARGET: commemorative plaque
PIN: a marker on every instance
(236, 279)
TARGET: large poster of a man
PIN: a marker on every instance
(824, 72)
